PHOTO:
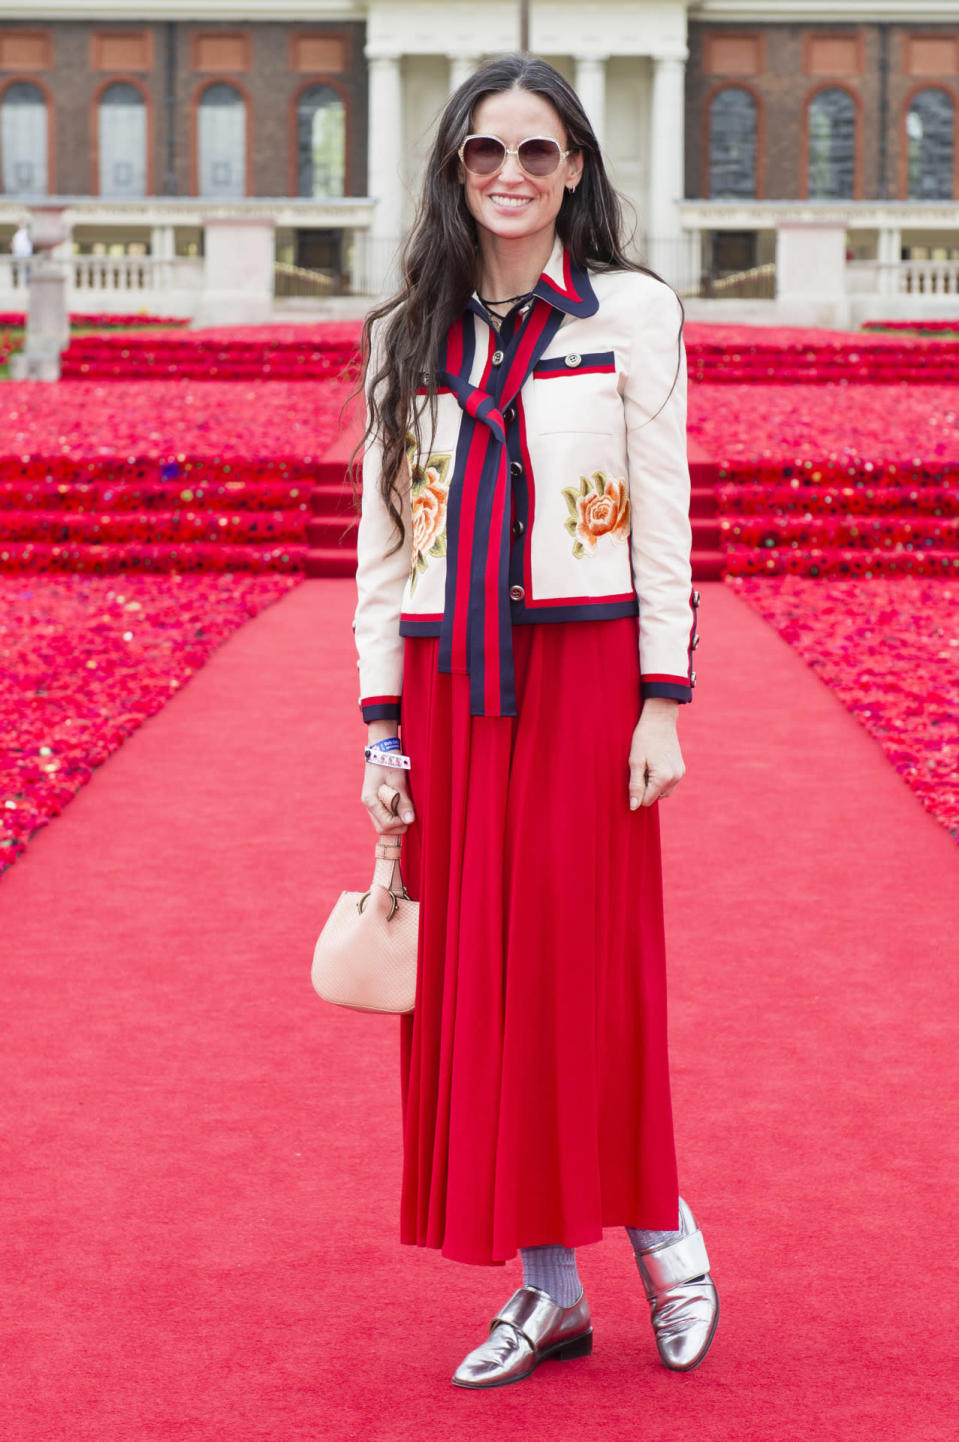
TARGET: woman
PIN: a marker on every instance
(525, 498)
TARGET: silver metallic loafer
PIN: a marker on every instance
(529, 1329)
(683, 1301)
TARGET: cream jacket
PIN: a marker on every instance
(556, 488)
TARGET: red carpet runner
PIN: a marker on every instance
(199, 1187)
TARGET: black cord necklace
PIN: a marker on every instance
(494, 306)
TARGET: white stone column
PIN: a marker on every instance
(162, 253)
(162, 242)
(666, 162)
(461, 68)
(385, 161)
(888, 253)
(590, 85)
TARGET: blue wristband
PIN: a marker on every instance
(388, 743)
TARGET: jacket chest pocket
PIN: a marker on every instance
(573, 392)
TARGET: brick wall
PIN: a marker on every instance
(784, 64)
(269, 63)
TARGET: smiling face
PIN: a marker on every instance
(513, 205)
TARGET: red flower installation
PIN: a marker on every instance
(85, 659)
(783, 355)
(889, 648)
(834, 481)
(164, 475)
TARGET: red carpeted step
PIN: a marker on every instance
(332, 500)
(882, 532)
(329, 531)
(865, 562)
(120, 494)
(787, 498)
(708, 565)
(330, 561)
(703, 501)
(707, 535)
(185, 525)
(148, 556)
(198, 356)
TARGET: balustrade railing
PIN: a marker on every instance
(929, 277)
(904, 277)
(110, 274)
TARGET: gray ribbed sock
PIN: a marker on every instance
(553, 1270)
(642, 1240)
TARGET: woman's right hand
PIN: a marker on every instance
(377, 782)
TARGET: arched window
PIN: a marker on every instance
(122, 124)
(23, 126)
(732, 145)
(321, 143)
(831, 162)
(930, 130)
(221, 137)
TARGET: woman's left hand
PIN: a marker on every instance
(655, 760)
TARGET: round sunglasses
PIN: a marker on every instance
(486, 155)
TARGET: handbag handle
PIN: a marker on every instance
(389, 849)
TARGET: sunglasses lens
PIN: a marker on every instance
(483, 154)
(539, 157)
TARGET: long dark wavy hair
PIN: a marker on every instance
(438, 259)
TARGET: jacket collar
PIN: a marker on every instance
(564, 284)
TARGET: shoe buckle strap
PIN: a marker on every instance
(532, 1313)
(671, 1266)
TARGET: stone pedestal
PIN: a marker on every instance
(48, 318)
(238, 257)
(811, 274)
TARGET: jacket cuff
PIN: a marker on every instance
(380, 708)
(673, 688)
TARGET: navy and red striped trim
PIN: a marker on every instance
(538, 613)
(575, 296)
(601, 363)
(380, 708)
(680, 691)
(476, 633)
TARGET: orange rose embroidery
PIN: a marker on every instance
(599, 507)
(429, 493)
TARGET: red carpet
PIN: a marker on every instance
(200, 1182)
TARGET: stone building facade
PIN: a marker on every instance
(714, 117)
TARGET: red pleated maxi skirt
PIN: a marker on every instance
(536, 1106)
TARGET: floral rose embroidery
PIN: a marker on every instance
(598, 507)
(429, 493)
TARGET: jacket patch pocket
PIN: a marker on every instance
(575, 392)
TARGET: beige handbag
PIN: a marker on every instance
(365, 957)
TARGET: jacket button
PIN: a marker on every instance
(573, 359)
(692, 678)
(509, 415)
(516, 593)
(516, 468)
(696, 598)
(518, 528)
(497, 358)
(695, 642)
